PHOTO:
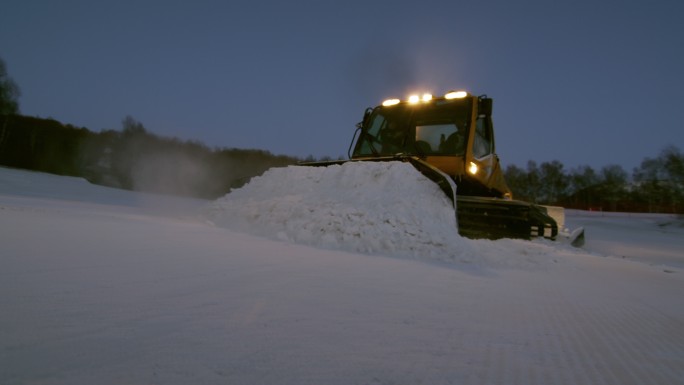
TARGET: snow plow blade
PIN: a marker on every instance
(575, 237)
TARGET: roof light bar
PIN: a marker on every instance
(426, 97)
(390, 102)
(455, 95)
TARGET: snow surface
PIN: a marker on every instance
(345, 275)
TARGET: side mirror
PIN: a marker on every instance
(485, 106)
(366, 115)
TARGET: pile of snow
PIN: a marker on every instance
(386, 208)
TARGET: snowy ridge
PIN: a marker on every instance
(384, 208)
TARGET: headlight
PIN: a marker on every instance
(472, 168)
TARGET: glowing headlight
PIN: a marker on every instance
(472, 168)
(426, 97)
(456, 95)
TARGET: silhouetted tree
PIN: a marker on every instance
(516, 178)
(659, 182)
(582, 187)
(554, 182)
(674, 164)
(533, 182)
(9, 92)
(132, 127)
(649, 186)
(613, 185)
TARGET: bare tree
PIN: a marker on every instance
(583, 181)
(533, 181)
(554, 184)
(9, 92)
(613, 185)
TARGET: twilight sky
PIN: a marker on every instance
(584, 82)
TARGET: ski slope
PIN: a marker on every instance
(284, 283)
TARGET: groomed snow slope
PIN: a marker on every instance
(109, 287)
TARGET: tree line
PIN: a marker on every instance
(131, 158)
(656, 185)
(9, 92)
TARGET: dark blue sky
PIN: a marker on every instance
(583, 82)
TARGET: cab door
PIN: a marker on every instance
(485, 165)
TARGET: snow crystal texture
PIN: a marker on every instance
(384, 208)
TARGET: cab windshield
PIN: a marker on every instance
(435, 128)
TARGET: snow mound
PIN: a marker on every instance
(385, 208)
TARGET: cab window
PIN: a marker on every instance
(373, 132)
(483, 144)
(440, 139)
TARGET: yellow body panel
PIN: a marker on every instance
(450, 165)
